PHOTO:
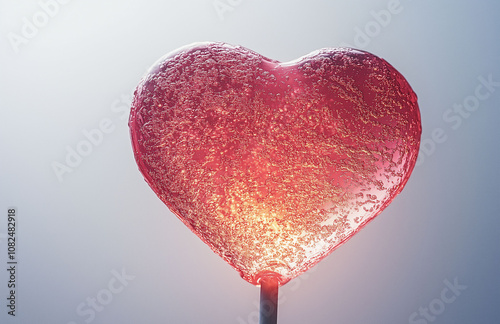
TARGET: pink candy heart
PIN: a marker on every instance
(274, 165)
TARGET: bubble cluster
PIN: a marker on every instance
(274, 165)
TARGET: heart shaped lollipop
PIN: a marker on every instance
(274, 165)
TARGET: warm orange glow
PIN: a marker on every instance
(274, 165)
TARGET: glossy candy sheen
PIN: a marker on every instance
(274, 165)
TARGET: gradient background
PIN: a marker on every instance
(81, 68)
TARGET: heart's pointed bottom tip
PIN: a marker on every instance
(269, 276)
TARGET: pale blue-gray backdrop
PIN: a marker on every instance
(95, 245)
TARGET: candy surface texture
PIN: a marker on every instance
(274, 165)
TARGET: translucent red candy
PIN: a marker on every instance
(274, 165)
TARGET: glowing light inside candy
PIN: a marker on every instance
(274, 165)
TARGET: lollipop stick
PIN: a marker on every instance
(269, 300)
